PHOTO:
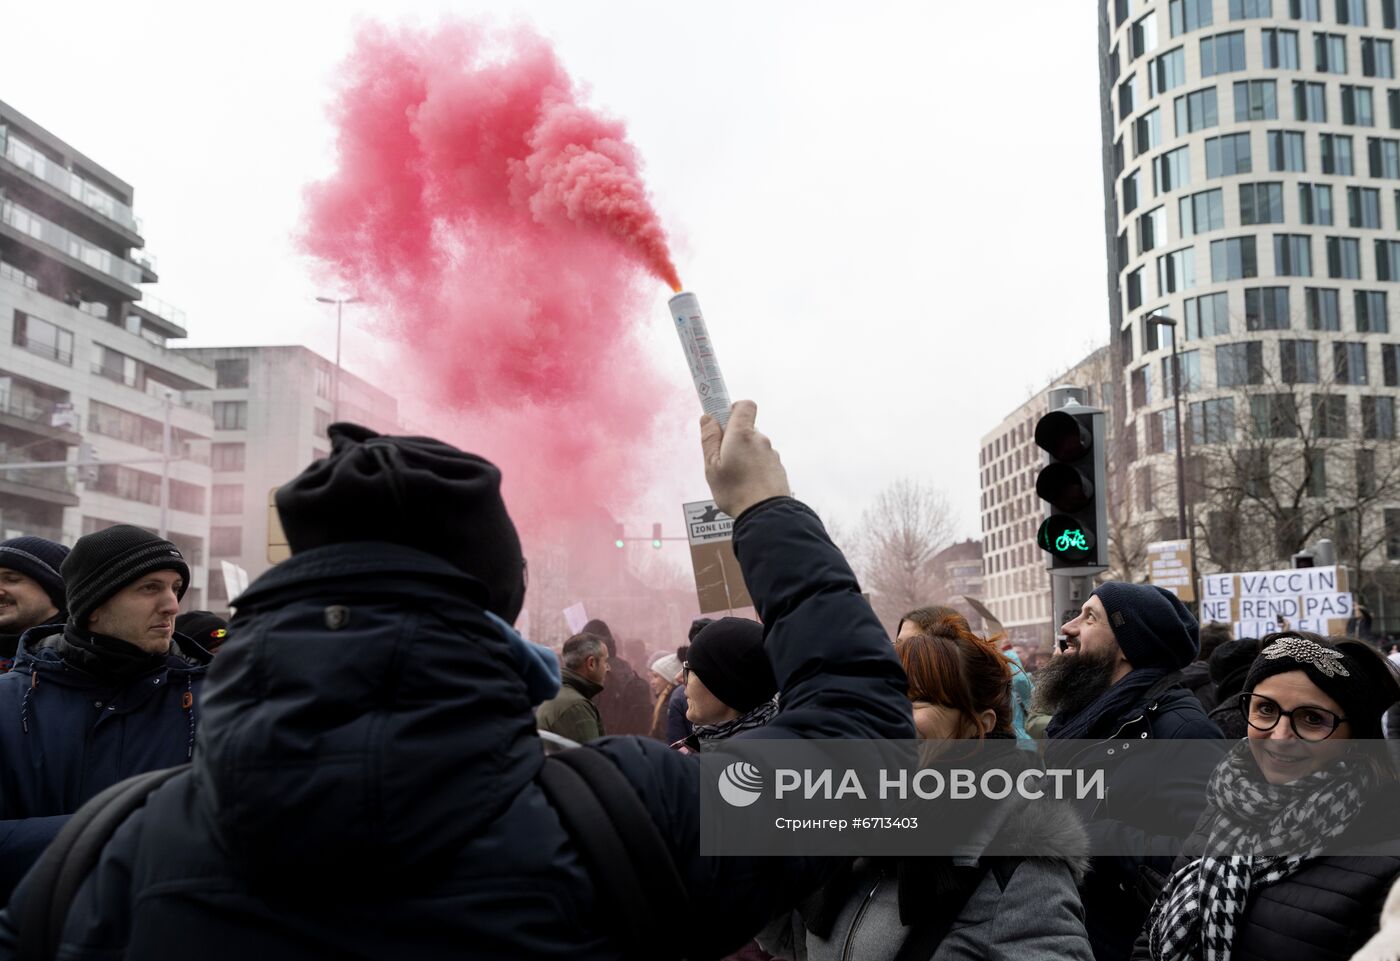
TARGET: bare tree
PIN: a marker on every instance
(900, 534)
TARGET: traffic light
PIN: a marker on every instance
(656, 536)
(619, 541)
(1072, 483)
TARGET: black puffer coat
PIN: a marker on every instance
(1324, 911)
(364, 785)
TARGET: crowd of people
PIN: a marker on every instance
(367, 761)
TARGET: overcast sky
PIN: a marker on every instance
(892, 212)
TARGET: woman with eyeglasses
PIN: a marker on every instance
(1294, 811)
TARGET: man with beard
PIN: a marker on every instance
(1118, 680)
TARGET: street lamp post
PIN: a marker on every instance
(335, 385)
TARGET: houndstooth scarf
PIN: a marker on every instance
(1262, 833)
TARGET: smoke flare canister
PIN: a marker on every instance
(700, 355)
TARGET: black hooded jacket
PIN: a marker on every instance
(364, 781)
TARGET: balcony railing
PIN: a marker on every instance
(42, 349)
(161, 309)
(20, 527)
(26, 408)
(45, 478)
(22, 155)
(116, 374)
(50, 233)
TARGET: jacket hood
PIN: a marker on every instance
(362, 722)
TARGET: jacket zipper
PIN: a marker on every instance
(855, 922)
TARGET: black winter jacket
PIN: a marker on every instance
(1115, 905)
(364, 786)
(1324, 911)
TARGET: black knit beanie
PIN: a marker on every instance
(1151, 625)
(39, 559)
(1350, 672)
(103, 563)
(414, 491)
(728, 657)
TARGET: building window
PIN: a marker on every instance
(1314, 473)
(1212, 421)
(1330, 51)
(1227, 155)
(1344, 258)
(1377, 58)
(227, 457)
(1143, 36)
(1275, 416)
(1134, 289)
(1239, 365)
(1202, 212)
(323, 381)
(1292, 255)
(116, 366)
(225, 541)
(1285, 150)
(1384, 155)
(1335, 149)
(1171, 170)
(1127, 97)
(43, 339)
(1266, 308)
(1378, 418)
(1207, 316)
(1176, 271)
(231, 415)
(1130, 191)
(1390, 14)
(1188, 15)
(231, 372)
(1372, 316)
(1305, 10)
(1390, 364)
(1152, 229)
(1298, 361)
(1125, 345)
(1141, 380)
(1122, 10)
(1166, 72)
(1190, 372)
(1151, 339)
(1233, 259)
(1309, 101)
(1222, 53)
(1392, 534)
(1280, 49)
(1255, 100)
(1329, 413)
(1323, 308)
(1261, 203)
(1315, 204)
(1388, 259)
(1349, 361)
(1196, 111)
(1351, 12)
(1364, 207)
(1147, 132)
(1358, 106)
(323, 422)
(1251, 9)
(228, 498)
(1392, 100)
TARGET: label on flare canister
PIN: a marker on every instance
(700, 355)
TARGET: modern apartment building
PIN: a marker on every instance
(84, 364)
(271, 408)
(1016, 585)
(1252, 186)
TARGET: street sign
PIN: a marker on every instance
(719, 584)
(1169, 566)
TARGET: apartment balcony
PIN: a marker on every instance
(51, 485)
(167, 320)
(19, 527)
(40, 419)
(70, 186)
(82, 255)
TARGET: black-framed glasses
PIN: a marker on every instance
(685, 673)
(1309, 723)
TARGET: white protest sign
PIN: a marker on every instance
(575, 616)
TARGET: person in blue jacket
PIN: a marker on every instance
(364, 784)
(98, 698)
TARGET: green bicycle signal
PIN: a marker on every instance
(1071, 540)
